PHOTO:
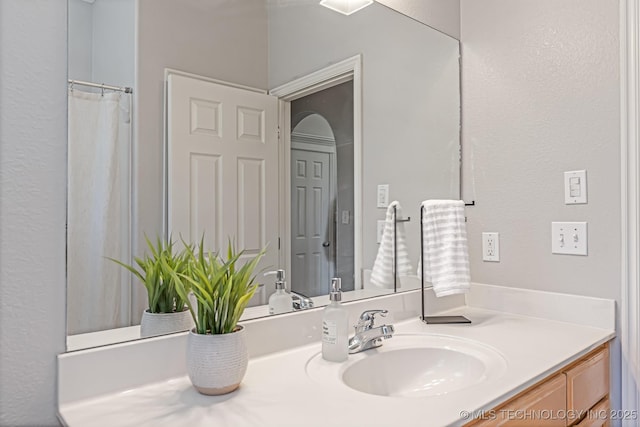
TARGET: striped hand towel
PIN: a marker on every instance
(446, 256)
(382, 273)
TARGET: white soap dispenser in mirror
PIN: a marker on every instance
(335, 326)
(280, 301)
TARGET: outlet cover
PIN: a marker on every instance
(491, 247)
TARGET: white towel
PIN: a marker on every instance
(382, 273)
(446, 256)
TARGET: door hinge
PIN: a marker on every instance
(278, 133)
(278, 243)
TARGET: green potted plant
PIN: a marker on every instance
(217, 355)
(167, 310)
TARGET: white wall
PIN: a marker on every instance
(541, 96)
(33, 71)
(410, 100)
(221, 40)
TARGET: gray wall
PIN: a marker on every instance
(102, 41)
(33, 141)
(443, 15)
(80, 40)
(222, 40)
(541, 96)
(113, 60)
(410, 100)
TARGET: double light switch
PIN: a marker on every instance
(569, 238)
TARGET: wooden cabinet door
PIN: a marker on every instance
(587, 384)
(597, 416)
(539, 407)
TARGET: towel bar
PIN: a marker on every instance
(396, 220)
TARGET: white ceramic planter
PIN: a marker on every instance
(216, 364)
(153, 324)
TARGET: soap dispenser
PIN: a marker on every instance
(280, 301)
(335, 326)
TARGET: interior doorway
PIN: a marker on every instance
(322, 190)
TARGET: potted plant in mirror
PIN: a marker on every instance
(217, 355)
(167, 311)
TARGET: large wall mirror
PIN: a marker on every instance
(358, 101)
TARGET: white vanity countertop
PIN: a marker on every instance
(278, 392)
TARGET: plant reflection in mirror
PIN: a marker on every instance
(157, 271)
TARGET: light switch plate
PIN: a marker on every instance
(383, 195)
(575, 187)
(346, 217)
(569, 238)
(381, 223)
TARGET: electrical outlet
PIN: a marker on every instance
(491, 247)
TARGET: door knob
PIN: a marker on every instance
(325, 244)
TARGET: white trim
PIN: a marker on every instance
(332, 75)
(578, 309)
(284, 141)
(348, 69)
(172, 71)
(310, 146)
(313, 139)
(630, 168)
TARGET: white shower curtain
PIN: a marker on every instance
(98, 206)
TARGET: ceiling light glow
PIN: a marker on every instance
(346, 7)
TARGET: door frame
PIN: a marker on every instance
(340, 72)
(630, 198)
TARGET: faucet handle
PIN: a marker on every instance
(367, 317)
(370, 314)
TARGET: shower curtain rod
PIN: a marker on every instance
(100, 86)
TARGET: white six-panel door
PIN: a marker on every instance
(223, 166)
(311, 213)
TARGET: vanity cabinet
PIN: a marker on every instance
(577, 395)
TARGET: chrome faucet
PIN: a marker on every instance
(301, 302)
(367, 336)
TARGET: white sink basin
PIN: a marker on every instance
(417, 365)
